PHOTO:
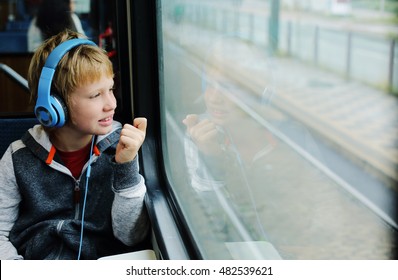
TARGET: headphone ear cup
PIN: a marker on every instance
(60, 109)
(50, 109)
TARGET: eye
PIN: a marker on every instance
(95, 95)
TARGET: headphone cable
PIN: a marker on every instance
(85, 196)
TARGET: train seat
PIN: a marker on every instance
(12, 129)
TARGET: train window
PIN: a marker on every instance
(280, 126)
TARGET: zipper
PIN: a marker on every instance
(59, 227)
(77, 190)
(76, 198)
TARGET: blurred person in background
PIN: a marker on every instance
(52, 17)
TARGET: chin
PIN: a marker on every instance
(103, 130)
(219, 121)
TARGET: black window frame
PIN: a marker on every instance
(138, 58)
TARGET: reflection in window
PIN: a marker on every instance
(280, 135)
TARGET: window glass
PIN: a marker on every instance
(279, 128)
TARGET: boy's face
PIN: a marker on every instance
(92, 107)
(219, 105)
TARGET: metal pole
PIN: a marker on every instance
(316, 45)
(273, 27)
(349, 49)
(289, 37)
(391, 66)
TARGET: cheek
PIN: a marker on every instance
(212, 96)
(80, 114)
(231, 106)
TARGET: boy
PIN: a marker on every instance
(45, 175)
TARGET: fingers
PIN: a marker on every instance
(202, 130)
(204, 134)
(190, 120)
(197, 128)
(131, 139)
(131, 134)
(140, 123)
(134, 133)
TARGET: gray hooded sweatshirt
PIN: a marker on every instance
(39, 218)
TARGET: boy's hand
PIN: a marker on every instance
(204, 134)
(131, 139)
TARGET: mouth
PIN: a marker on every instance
(218, 113)
(106, 121)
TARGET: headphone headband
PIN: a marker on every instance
(58, 53)
(49, 108)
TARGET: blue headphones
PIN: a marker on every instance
(50, 108)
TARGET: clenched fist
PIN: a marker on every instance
(131, 139)
(204, 134)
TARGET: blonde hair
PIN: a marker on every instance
(82, 65)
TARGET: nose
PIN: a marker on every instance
(110, 102)
(214, 95)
